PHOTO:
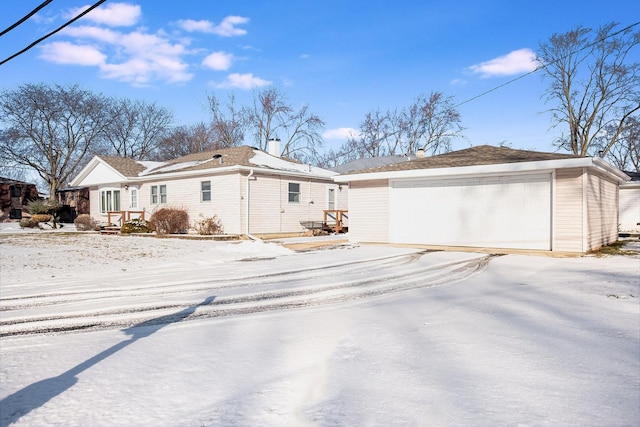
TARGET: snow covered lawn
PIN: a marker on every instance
(135, 331)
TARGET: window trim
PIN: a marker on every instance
(110, 204)
(204, 191)
(158, 194)
(297, 195)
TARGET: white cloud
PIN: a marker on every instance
(243, 81)
(113, 14)
(136, 57)
(341, 133)
(516, 62)
(218, 61)
(72, 54)
(91, 32)
(226, 28)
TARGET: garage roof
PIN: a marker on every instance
(483, 159)
(480, 155)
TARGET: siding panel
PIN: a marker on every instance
(569, 230)
(602, 210)
(369, 211)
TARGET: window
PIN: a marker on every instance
(294, 192)
(205, 191)
(331, 199)
(109, 201)
(158, 194)
(133, 198)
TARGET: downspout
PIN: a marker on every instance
(247, 206)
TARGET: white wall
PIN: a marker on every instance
(630, 207)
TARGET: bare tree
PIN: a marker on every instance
(594, 84)
(136, 128)
(184, 140)
(50, 129)
(272, 117)
(430, 122)
(625, 154)
(228, 122)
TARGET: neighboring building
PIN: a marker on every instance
(14, 196)
(630, 204)
(488, 197)
(370, 162)
(74, 201)
(250, 191)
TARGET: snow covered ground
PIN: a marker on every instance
(137, 331)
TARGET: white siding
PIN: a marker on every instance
(271, 211)
(569, 202)
(186, 194)
(369, 211)
(602, 211)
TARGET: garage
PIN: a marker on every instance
(509, 211)
(487, 197)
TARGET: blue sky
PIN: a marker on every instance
(343, 58)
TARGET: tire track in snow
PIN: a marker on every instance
(346, 286)
(281, 277)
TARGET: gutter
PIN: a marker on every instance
(494, 169)
(249, 235)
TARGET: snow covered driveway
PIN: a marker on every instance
(118, 331)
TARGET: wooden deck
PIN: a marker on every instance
(115, 219)
(333, 221)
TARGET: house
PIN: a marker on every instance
(630, 204)
(488, 196)
(14, 196)
(250, 191)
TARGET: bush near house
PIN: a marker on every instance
(36, 220)
(170, 221)
(136, 225)
(209, 226)
(35, 207)
(85, 222)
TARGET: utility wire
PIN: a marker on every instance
(54, 31)
(33, 12)
(543, 66)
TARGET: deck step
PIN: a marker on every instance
(110, 230)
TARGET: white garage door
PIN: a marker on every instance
(498, 211)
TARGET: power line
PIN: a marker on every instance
(33, 12)
(54, 31)
(542, 67)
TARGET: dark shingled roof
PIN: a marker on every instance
(125, 165)
(635, 176)
(480, 155)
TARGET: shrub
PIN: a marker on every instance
(136, 225)
(42, 218)
(35, 207)
(170, 221)
(85, 222)
(29, 223)
(209, 226)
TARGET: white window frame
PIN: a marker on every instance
(109, 200)
(158, 194)
(205, 193)
(296, 194)
(332, 191)
(133, 198)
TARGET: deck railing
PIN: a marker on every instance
(123, 216)
(335, 219)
